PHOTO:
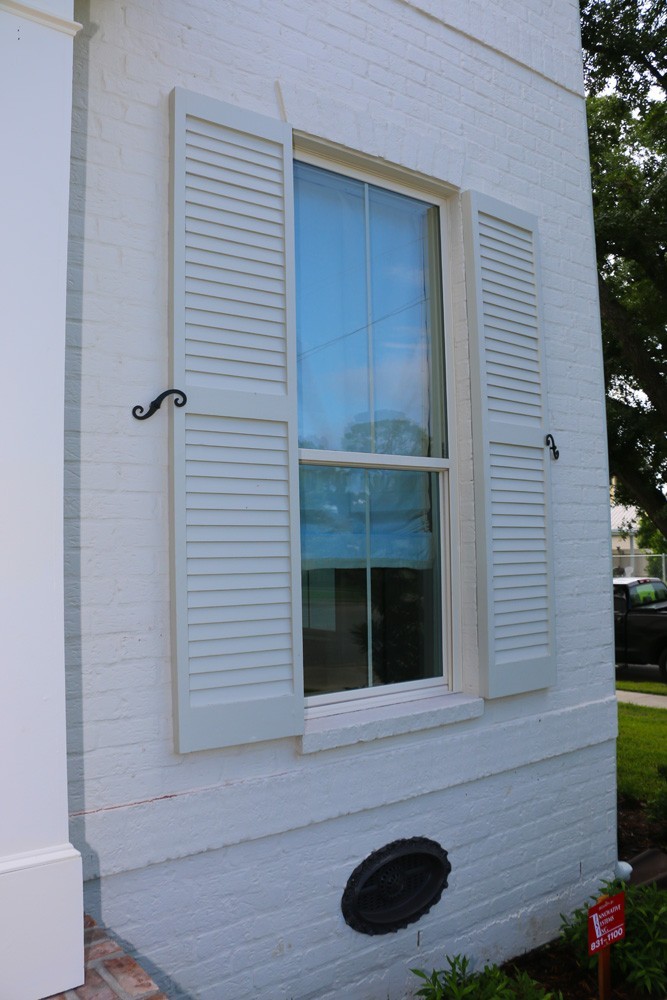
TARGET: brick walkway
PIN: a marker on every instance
(110, 973)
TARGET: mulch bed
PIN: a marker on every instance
(636, 832)
(555, 967)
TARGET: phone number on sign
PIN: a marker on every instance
(607, 939)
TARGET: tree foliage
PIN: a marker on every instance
(624, 44)
(625, 60)
(649, 537)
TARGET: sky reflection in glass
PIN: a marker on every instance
(368, 317)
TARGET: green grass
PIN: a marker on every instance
(644, 687)
(642, 745)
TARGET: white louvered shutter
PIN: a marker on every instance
(236, 563)
(511, 462)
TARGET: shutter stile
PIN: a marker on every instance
(511, 462)
(236, 567)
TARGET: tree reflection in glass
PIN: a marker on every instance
(371, 581)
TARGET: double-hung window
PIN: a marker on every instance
(372, 435)
(311, 488)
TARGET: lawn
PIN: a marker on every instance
(642, 745)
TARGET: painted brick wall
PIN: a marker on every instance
(265, 915)
(225, 868)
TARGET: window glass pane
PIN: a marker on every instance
(369, 318)
(331, 306)
(401, 349)
(371, 579)
(651, 592)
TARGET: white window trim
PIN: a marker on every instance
(410, 705)
(332, 156)
(366, 722)
(313, 456)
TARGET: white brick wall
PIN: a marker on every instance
(266, 914)
(487, 96)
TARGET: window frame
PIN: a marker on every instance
(328, 157)
(234, 684)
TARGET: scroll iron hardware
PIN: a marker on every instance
(551, 444)
(179, 400)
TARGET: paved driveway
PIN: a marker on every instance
(637, 698)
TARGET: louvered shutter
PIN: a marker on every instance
(235, 561)
(511, 462)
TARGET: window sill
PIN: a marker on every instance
(325, 732)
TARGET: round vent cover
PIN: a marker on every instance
(395, 885)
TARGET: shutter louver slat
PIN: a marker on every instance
(235, 182)
(235, 506)
(511, 469)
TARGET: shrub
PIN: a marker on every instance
(459, 982)
(641, 958)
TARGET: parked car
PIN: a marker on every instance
(640, 621)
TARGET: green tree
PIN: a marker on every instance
(625, 60)
(648, 536)
(653, 540)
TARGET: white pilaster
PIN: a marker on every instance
(41, 936)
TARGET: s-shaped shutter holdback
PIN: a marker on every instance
(179, 400)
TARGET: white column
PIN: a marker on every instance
(41, 936)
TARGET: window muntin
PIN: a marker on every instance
(371, 387)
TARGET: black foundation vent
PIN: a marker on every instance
(395, 886)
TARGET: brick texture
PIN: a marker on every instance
(110, 973)
(225, 868)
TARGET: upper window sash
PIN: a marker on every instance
(369, 317)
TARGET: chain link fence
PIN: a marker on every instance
(644, 564)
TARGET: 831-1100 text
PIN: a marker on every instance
(603, 942)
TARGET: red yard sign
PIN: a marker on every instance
(606, 922)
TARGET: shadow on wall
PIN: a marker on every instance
(93, 886)
(73, 369)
